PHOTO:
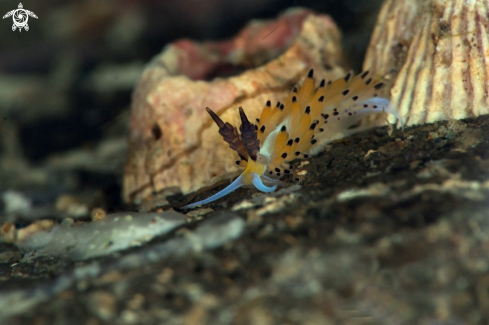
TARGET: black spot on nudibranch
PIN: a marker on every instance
(354, 97)
(345, 92)
(277, 170)
(369, 80)
(269, 103)
(297, 140)
(323, 82)
(257, 120)
(284, 155)
(237, 162)
(364, 74)
(365, 105)
(379, 85)
(278, 104)
(335, 113)
(294, 99)
(156, 131)
(262, 129)
(294, 90)
(308, 110)
(256, 127)
(321, 130)
(348, 75)
(350, 114)
(282, 107)
(311, 73)
(320, 99)
(306, 156)
(289, 143)
(286, 171)
(283, 129)
(297, 153)
(313, 141)
(325, 116)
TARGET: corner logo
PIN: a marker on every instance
(20, 17)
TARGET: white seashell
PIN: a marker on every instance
(440, 49)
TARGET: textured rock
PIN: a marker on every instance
(397, 236)
(113, 233)
(440, 49)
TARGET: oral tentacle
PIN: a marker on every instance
(238, 182)
(260, 186)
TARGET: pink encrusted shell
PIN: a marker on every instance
(173, 144)
(440, 49)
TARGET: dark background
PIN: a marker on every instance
(51, 99)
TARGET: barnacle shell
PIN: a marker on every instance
(173, 144)
(440, 49)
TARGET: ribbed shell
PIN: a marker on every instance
(441, 52)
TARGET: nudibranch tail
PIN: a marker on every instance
(308, 118)
(312, 116)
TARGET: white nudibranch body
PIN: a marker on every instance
(309, 118)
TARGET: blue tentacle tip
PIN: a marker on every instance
(260, 186)
(238, 182)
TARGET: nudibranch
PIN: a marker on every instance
(293, 129)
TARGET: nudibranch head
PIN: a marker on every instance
(299, 127)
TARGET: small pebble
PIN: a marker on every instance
(102, 304)
(68, 222)
(136, 302)
(98, 214)
(7, 232)
(64, 201)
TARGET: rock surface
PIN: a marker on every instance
(384, 229)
